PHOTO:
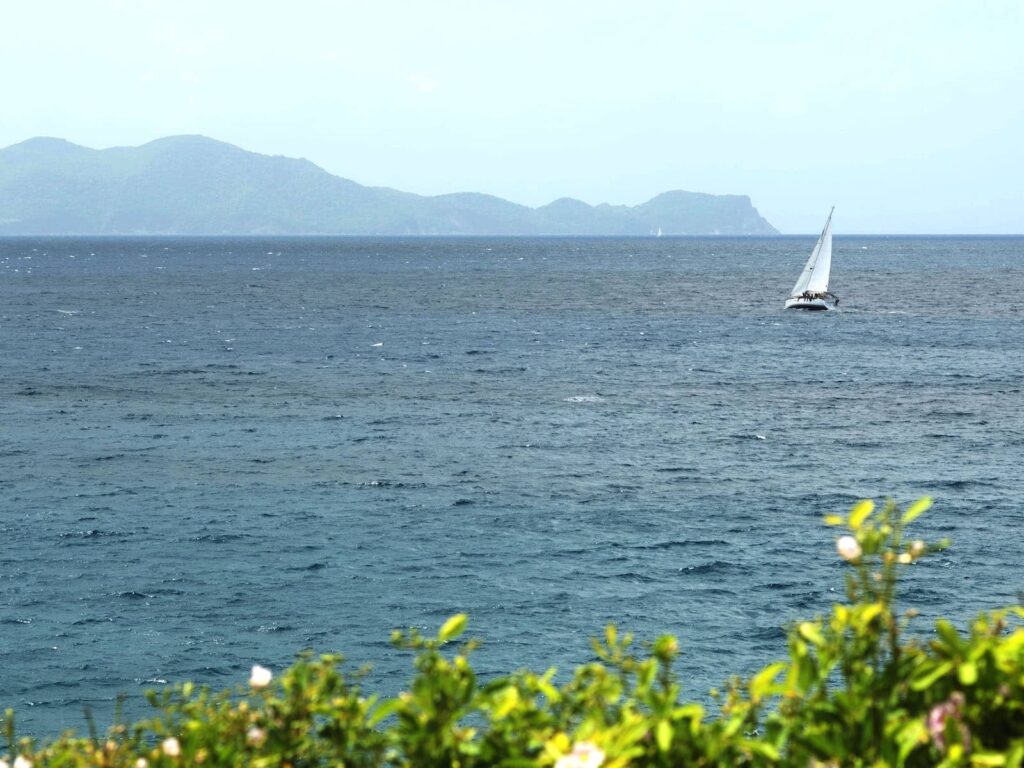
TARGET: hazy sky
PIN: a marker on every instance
(908, 116)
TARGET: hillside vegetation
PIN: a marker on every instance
(192, 185)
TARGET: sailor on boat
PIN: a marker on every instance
(820, 295)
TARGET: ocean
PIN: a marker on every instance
(219, 452)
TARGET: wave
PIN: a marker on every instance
(584, 399)
(681, 544)
(961, 483)
(217, 538)
(93, 533)
(717, 566)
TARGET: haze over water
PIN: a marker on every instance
(218, 452)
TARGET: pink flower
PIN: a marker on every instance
(937, 717)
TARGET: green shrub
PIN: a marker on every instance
(855, 690)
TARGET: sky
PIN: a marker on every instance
(907, 116)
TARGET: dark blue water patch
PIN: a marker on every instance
(716, 567)
(133, 595)
(682, 544)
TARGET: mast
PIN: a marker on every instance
(818, 280)
(815, 274)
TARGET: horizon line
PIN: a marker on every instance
(293, 235)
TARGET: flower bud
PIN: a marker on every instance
(260, 677)
(584, 755)
(256, 736)
(171, 747)
(848, 548)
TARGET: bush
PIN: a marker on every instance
(853, 691)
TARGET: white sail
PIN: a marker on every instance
(816, 271)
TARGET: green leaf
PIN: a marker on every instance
(663, 735)
(927, 679)
(869, 613)
(383, 710)
(810, 632)
(761, 683)
(505, 702)
(762, 748)
(968, 673)
(1016, 754)
(949, 634)
(691, 711)
(860, 512)
(452, 628)
(988, 759)
(917, 509)
(910, 736)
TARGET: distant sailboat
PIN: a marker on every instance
(811, 289)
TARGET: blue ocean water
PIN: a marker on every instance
(217, 452)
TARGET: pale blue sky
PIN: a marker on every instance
(908, 116)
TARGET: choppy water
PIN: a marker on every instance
(218, 452)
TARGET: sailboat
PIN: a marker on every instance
(811, 289)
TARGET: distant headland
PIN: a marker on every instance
(193, 185)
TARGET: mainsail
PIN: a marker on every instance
(815, 275)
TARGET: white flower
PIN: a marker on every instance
(3, 763)
(583, 755)
(256, 736)
(917, 548)
(905, 558)
(171, 747)
(260, 677)
(22, 762)
(142, 763)
(848, 548)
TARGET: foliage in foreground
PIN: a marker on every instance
(853, 691)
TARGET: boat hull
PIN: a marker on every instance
(812, 305)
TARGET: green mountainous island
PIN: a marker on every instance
(193, 185)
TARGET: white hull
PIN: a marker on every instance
(800, 302)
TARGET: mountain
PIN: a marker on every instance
(192, 185)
